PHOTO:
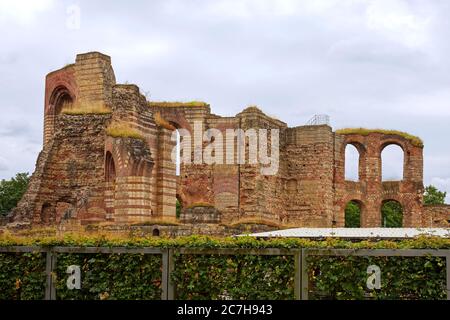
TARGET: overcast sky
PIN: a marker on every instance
(380, 64)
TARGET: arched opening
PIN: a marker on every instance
(392, 159)
(155, 232)
(110, 168)
(353, 214)
(352, 160)
(61, 99)
(391, 214)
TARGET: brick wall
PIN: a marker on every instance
(84, 175)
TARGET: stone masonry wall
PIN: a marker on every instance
(84, 175)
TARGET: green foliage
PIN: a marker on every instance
(352, 215)
(11, 191)
(433, 196)
(401, 277)
(111, 276)
(201, 277)
(22, 276)
(392, 214)
(206, 276)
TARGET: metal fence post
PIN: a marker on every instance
(298, 275)
(50, 262)
(165, 274)
(170, 284)
(447, 265)
(304, 276)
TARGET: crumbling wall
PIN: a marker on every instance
(86, 175)
(436, 216)
(66, 183)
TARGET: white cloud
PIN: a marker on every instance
(426, 104)
(23, 11)
(395, 20)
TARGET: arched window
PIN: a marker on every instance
(392, 158)
(351, 163)
(155, 232)
(353, 214)
(110, 168)
(391, 214)
(61, 99)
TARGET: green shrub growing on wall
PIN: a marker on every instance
(22, 276)
(215, 276)
(234, 277)
(401, 277)
(111, 276)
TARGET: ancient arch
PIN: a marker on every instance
(361, 161)
(392, 167)
(60, 97)
(392, 213)
(353, 214)
(352, 162)
(110, 168)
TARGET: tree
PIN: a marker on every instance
(433, 196)
(392, 214)
(352, 215)
(11, 191)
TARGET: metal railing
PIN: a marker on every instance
(319, 119)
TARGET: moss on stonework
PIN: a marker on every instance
(416, 141)
(175, 104)
(76, 109)
(123, 130)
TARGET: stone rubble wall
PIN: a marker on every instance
(84, 176)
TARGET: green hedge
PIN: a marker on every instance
(111, 276)
(22, 276)
(138, 276)
(401, 277)
(233, 277)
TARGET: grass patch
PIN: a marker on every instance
(416, 141)
(123, 130)
(85, 108)
(177, 104)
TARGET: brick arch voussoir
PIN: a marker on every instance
(61, 87)
(178, 118)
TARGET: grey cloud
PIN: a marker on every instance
(293, 62)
